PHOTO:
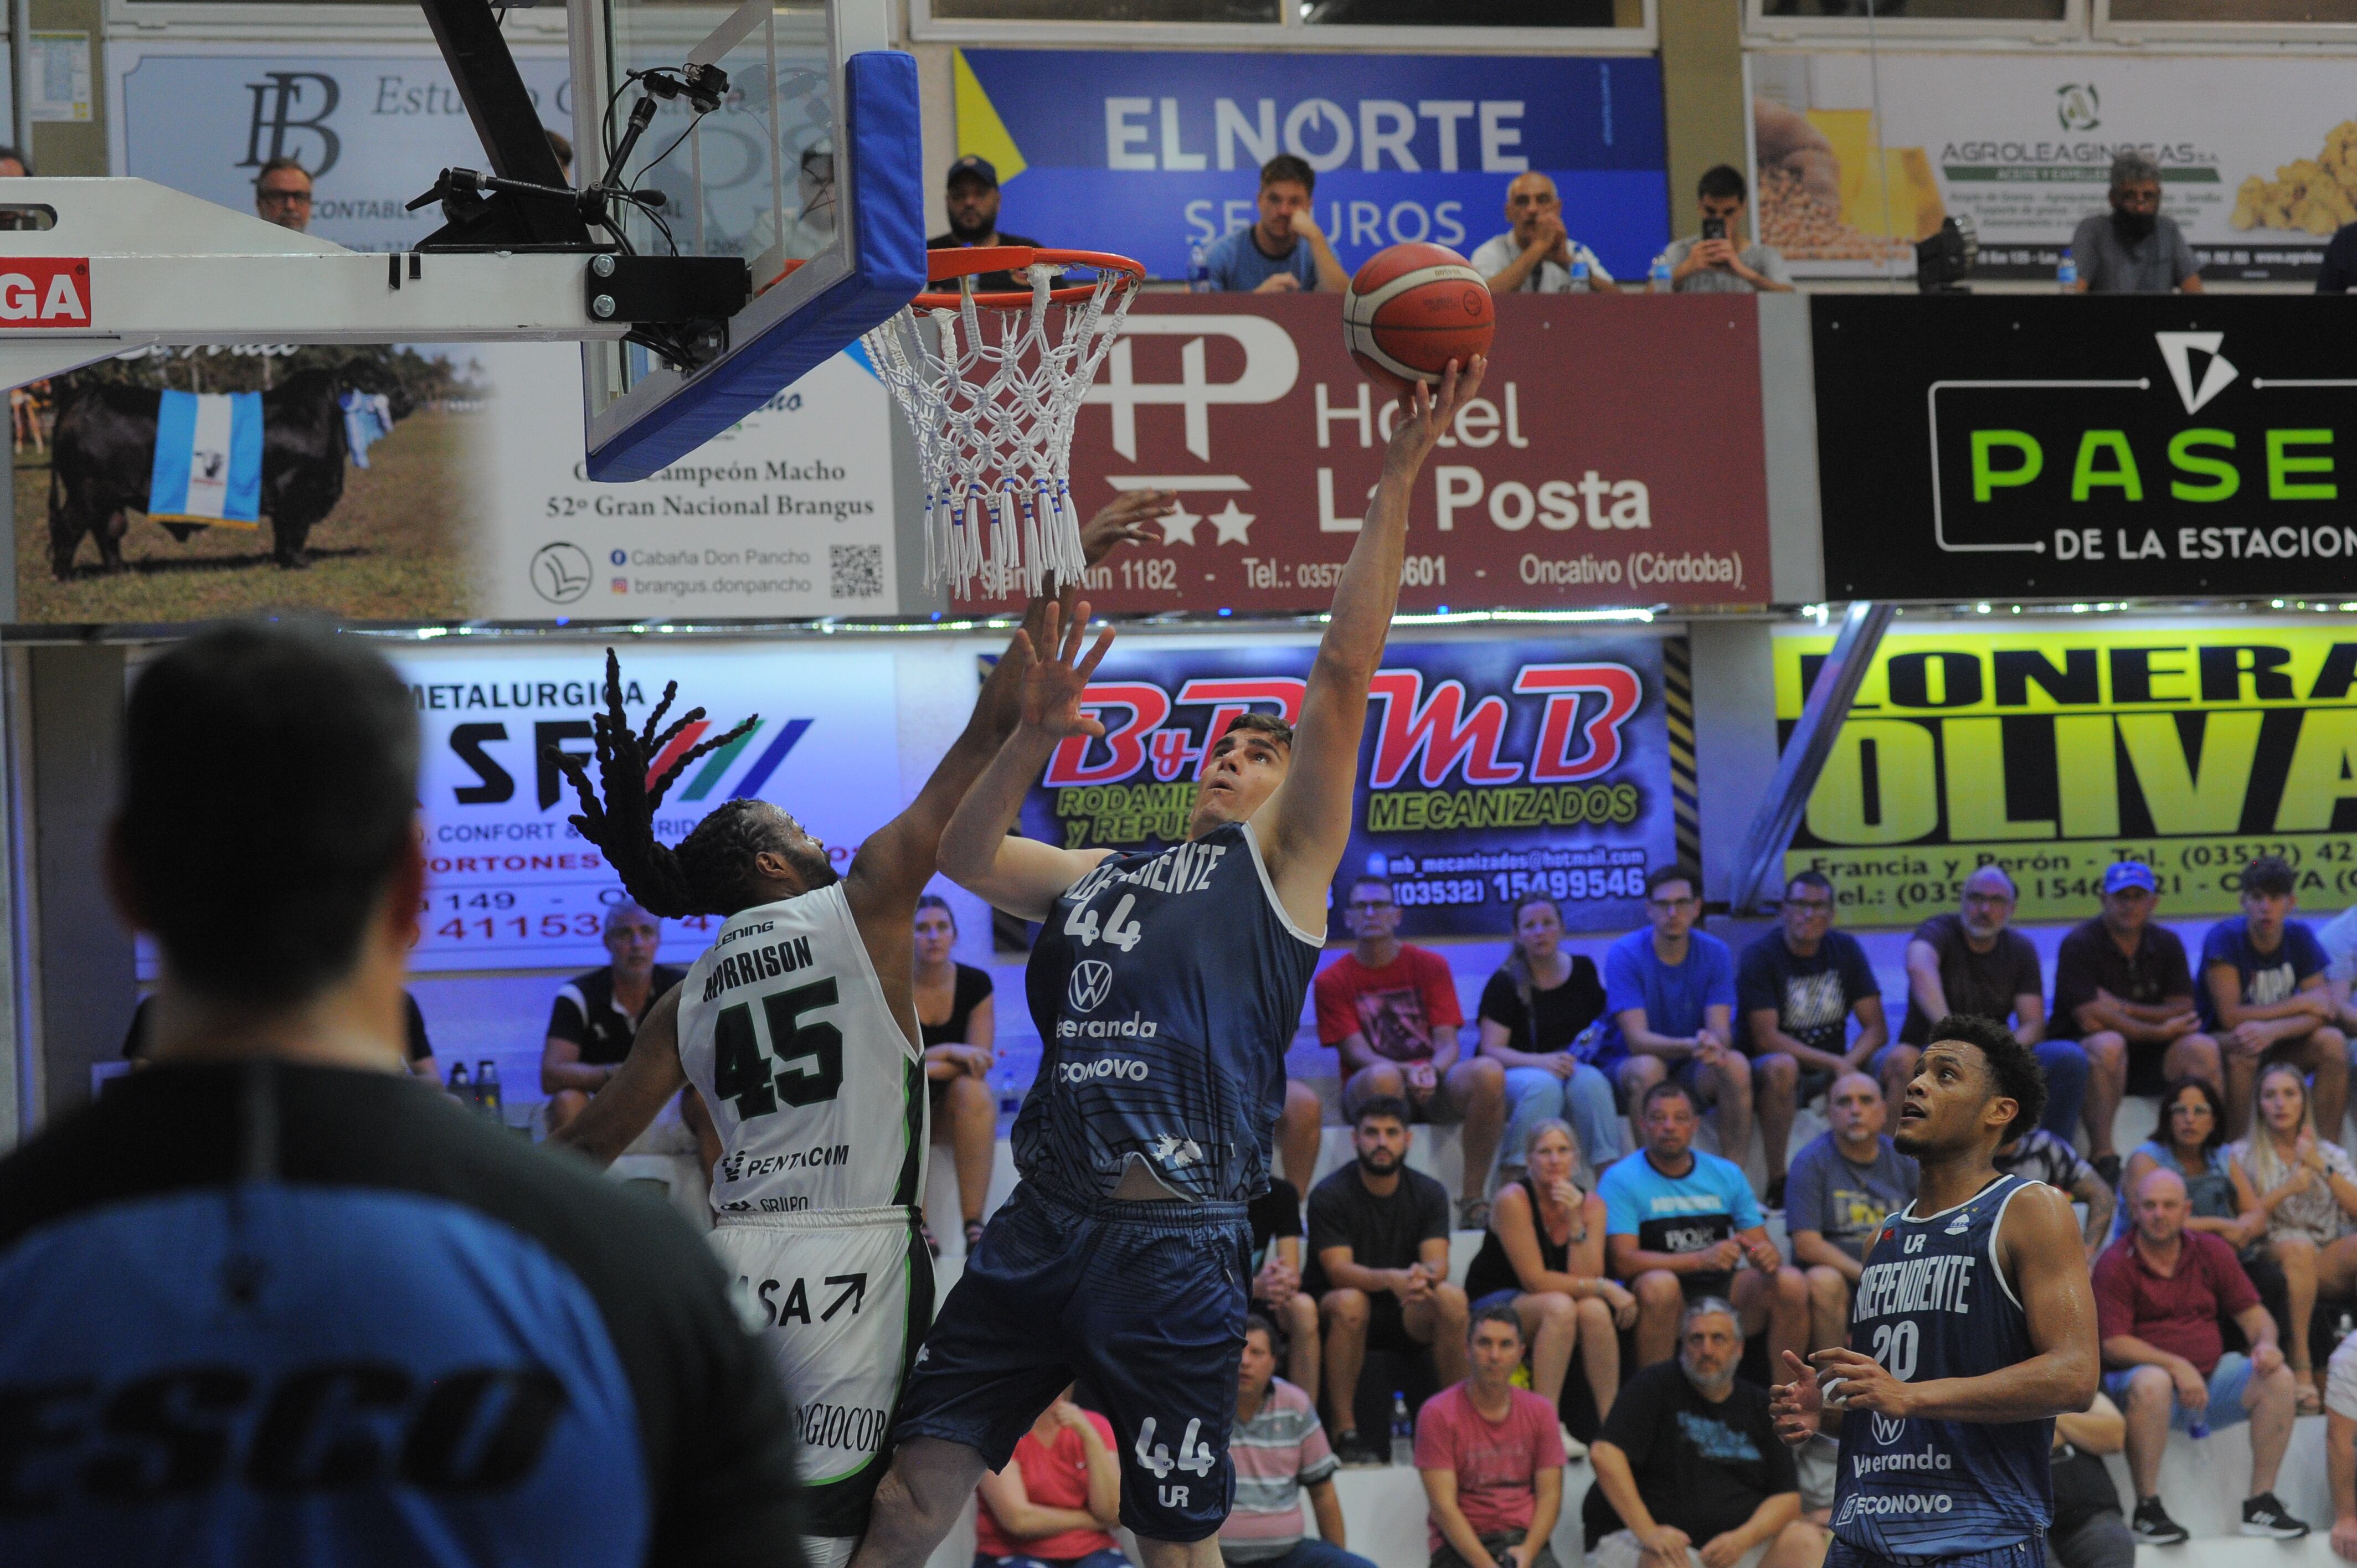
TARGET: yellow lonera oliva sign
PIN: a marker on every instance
(2055, 751)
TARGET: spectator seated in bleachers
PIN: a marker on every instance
(2087, 1530)
(1795, 989)
(1543, 1258)
(1670, 994)
(1285, 251)
(1390, 1011)
(958, 1015)
(1690, 1466)
(2123, 989)
(1275, 1220)
(595, 1016)
(972, 202)
(1280, 1452)
(1972, 962)
(2042, 1156)
(1716, 260)
(2191, 1141)
(1058, 1499)
(1379, 1268)
(1538, 1020)
(2307, 1188)
(2341, 1446)
(2134, 247)
(1680, 1225)
(1846, 1182)
(2162, 1294)
(1536, 255)
(1491, 1458)
(2264, 997)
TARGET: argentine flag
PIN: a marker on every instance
(208, 459)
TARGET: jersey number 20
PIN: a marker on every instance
(810, 1056)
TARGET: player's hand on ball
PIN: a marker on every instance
(1797, 1407)
(1053, 687)
(1425, 415)
(1127, 519)
(1866, 1383)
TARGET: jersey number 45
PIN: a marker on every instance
(810, 1056)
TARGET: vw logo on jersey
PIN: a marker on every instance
(1091, 983)
(1888, 1431)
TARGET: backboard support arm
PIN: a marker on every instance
(514, 140)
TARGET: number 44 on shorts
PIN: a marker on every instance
(1193, 1457)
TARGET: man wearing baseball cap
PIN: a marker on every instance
(2122, 987)
(974, 221)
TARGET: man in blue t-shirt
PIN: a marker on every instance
(1679, 1225)
(1845, 1183)
(1286, 249)
(1669, 997)
(1795, 990)
(2263, 998)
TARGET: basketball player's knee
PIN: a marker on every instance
(1344, 1311)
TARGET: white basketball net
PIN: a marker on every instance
(992, 394)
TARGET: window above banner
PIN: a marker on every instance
(387, 21)
(1915, 24)
(2245, 21)
(1544, 25)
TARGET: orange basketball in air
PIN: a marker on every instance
(1412, 309)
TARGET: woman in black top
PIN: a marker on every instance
(1536, 1016)
(1545, 1257)
(959, 1018)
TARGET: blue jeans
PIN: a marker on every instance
(1309, 1551)
(1109, 1557)
(1584, 1099)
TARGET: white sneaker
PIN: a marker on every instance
(1573, 1448)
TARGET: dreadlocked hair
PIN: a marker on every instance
(693, 879)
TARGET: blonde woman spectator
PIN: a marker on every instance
(958, 1017)
(1544, 1257)
(1538, 1013)
(2307, 1188)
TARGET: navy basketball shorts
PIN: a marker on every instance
(1145, 1301)
(2019, 1555)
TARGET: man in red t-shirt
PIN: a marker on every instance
(2161, 1295)
(1058, 1498)
(1390, 1010)
(1492, 1457)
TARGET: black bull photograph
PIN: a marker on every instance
(381, 533)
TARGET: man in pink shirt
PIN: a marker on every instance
(1390, 1011)
(1492, 1457)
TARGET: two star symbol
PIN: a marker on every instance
(1230, 525)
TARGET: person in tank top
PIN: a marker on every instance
(1972, 1324)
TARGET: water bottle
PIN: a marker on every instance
(487, 1088)
(1403, 1432)
(1004, 1090)
(462, 1087)
(2196, 1429)
(2067, 275)
(1657, 276)
(1579, 275)
(1198, 267)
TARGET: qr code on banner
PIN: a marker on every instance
(857, 571)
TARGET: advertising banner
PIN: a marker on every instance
(1147, 153)
(2123, 446)
(1615, 456)
(454, 472)
(2258, 154)
(512, 884)
(1489, 771)
(2056, 748)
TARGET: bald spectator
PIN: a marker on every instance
(1537, 255)
(13, 165)
(1845, 1183)
(282, 194)
(2134, 247)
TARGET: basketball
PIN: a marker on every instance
(1413, 308)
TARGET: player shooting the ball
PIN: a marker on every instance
(1166, 984)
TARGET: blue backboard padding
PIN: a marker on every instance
(887, 212)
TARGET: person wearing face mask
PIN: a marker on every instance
(2134, 248)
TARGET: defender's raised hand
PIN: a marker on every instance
(1052, 687)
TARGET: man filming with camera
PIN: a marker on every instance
(1716, 261)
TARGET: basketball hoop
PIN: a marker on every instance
(992, 383)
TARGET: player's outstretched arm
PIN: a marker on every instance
(636, 1095)
(2039, 1247)
(1308, 822)
(1021, 875)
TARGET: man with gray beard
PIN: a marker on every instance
(1688, 1468)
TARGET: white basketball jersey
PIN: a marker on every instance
(818, 1095)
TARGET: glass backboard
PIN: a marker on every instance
(808, 171)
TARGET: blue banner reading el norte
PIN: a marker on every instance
(1145, 153)
(1487, 770)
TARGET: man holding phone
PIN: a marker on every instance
(1715, 262)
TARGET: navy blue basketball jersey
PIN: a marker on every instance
(1166, 984)
(1933, 1303)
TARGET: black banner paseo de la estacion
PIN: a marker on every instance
(2074, 447)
